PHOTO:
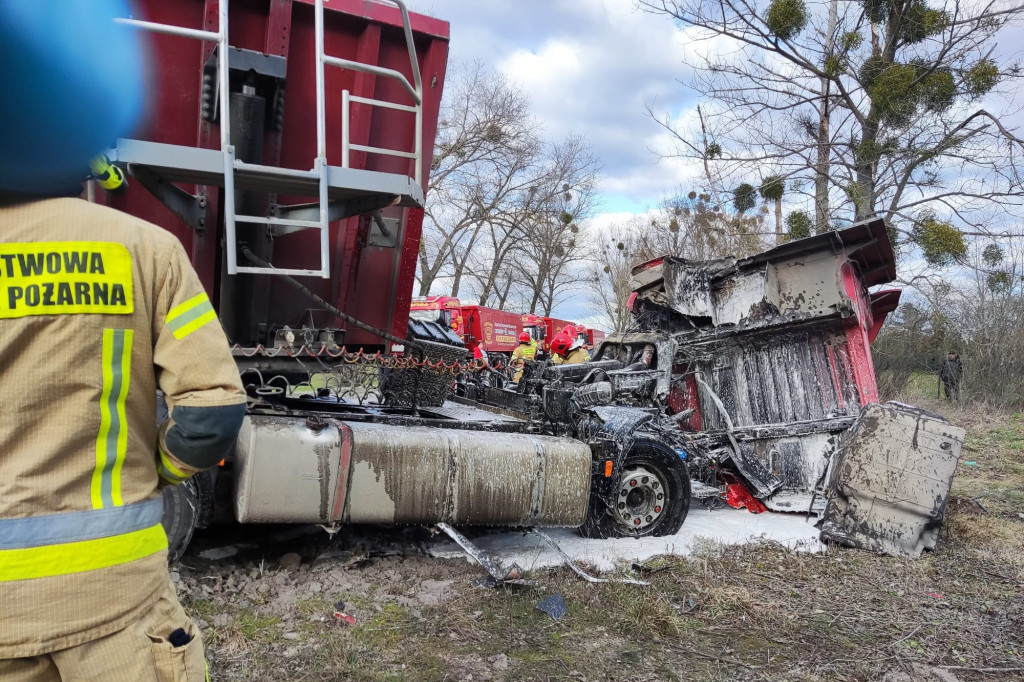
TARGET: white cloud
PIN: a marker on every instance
(590, 68)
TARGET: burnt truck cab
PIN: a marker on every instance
(770, 360)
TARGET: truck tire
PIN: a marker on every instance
(652, 498)
(181, 509)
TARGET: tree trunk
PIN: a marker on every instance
(535, 299)
(503, 295)
(426, 281)
(824, 159)
(778, 222)
(864, 197)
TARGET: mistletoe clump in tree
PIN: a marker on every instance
(890, 108)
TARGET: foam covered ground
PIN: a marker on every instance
(722, 526)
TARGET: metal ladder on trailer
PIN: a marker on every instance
(329, 184)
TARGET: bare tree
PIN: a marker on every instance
(552, 245)
(885, 103)
(691, 226)
(619, 249)
(485, 138)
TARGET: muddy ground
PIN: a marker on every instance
(758, 611)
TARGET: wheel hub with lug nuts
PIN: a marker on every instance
(641, 498)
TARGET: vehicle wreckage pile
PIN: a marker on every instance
(744, 379)
(757, 374)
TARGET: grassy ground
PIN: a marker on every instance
(747, 613)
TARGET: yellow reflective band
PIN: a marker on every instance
(169, 471)
(79, 557)
(185, 318)
(65, 278)
(112, 439)
(122, 418)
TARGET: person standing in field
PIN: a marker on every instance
(951, 374)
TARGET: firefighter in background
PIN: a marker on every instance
(525, 352)
(568, 351)
(101, 310)
(480, 354)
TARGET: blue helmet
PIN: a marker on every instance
(72, 80)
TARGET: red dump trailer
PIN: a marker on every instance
(285, 113)
(288, 146)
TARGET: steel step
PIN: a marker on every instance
(194, 165)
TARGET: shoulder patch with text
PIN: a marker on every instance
(65, 278)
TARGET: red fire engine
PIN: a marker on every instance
(541, 329)
(494, 331)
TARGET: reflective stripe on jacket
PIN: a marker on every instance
(97, 311)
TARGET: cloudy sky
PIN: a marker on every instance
(589, 67)
(593, 67)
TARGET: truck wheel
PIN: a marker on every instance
(181, 506)
(652, 498)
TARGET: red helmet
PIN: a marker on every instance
(560, 343)
(524, 337)
(569, 330)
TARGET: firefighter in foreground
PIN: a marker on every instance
(566, 350)
(97, 311)
(525, 352)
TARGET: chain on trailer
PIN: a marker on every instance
(363, 379)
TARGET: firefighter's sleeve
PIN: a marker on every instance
(197, 374)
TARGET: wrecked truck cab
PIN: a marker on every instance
(773, 362)
(639, 484)
(629, 350)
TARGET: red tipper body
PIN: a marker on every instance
(371, 275)
(780, 342)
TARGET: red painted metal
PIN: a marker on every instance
(858, 334)
(551, 325)
(496, 330)
(371, 283)
(737, 495)
(479, 327)
(882, 303)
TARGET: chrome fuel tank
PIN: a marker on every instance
(290, 470)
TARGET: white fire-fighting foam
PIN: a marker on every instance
(722, 526)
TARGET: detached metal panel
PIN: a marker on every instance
(891, 480)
